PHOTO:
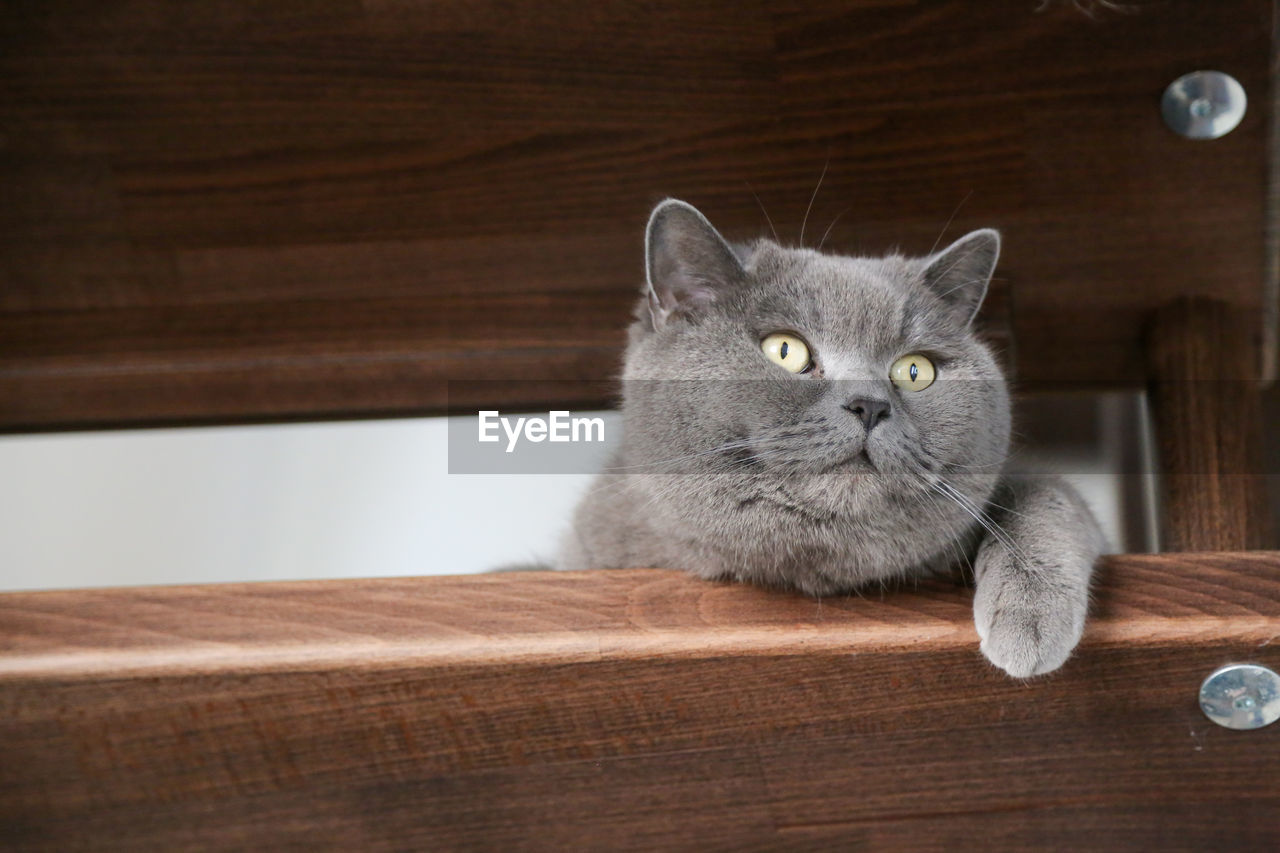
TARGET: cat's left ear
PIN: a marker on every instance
(687, 263)
(961, 273)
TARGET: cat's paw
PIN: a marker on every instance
(1028, 629)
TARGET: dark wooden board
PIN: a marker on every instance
(1214, 471)
(630, 710)
(331, 208)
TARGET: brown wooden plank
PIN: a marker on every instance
(323, 159)
(230, 361)
(1206, 408)
(628, 709)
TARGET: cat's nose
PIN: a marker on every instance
(870, 410)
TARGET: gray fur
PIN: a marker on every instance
(733, 468)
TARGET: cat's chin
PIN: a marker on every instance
(859, 462)
(849, 490)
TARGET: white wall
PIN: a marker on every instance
(370, 498)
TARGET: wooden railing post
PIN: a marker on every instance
(1202, 361)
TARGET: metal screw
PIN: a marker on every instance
(1241, 696)
(1203, 104)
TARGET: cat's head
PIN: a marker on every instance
(853, 385)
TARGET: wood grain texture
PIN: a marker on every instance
(1207, 416)
(631, 710)
(332, 208)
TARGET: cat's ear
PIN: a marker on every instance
(687, 263)
(960, 273)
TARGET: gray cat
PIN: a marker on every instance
(816, 422)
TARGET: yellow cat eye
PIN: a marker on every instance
(787, 351)
(912, 372)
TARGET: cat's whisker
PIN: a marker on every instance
(733, 445)
(958, 467)
(759, 452)
(827, 233)
(767, 217)
(937, 484)
(1006, 509)
(986, 520)
(758, 456)
(950, 218)
(812, 198)
(976, 516)
(661, 493)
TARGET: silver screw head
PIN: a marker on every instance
(1241, 696)
(1203, 104)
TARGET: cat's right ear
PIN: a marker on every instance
(961, 273)
(687, 263)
